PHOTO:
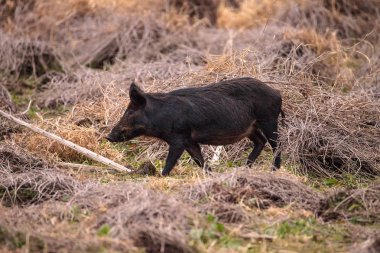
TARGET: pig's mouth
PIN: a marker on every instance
(122, 137)
(111, 139)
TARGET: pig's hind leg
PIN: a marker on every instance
(195, 152)
(271, 133)
(259, 142)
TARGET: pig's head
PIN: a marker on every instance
(134, 121)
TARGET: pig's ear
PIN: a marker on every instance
(137, 95)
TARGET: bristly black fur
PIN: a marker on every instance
(217, 114)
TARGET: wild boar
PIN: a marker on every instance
(217, 114)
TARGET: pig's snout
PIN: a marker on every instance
(109, 138)
(113, 137)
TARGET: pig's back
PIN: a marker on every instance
(239, 88)
(245, 93)
(232, 105)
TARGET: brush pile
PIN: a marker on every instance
(152, 220)
(330, 135)
(227, 193)
(133, 216)
(26, 57)
(6, 104)
(349, 18)
(357, 205)
(26, 180)
(231, 197)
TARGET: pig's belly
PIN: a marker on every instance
(218, 140)
(221, 137)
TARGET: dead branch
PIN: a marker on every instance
(89, 168)
(79, 149)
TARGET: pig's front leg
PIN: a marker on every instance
(175, 152)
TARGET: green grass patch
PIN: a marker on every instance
(15, 240)
(104, 230)
(215, 233)
(308, 227)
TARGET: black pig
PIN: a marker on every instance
(217, 114)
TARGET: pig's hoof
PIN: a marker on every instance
(147, 168)
(207, 170)
(274, 168)
(165, 173)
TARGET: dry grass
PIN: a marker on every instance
(43, 228)
(155, 222)
(6, 100)
(360, 205)
(337, 134)
(85, 137)
(370, 245)
(231, 196)
(7, 105)
(131, 214)
(25, 56)
(325, 58)
(350, 18)
(251, 13)
(320, 43)
(26, 180)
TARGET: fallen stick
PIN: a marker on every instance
(89, 168)
(79, 149)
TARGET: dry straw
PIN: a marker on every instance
(67, 144)
(6, 104)
(26, 180)
(329, 135)
(229, 195)
(343, 204)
